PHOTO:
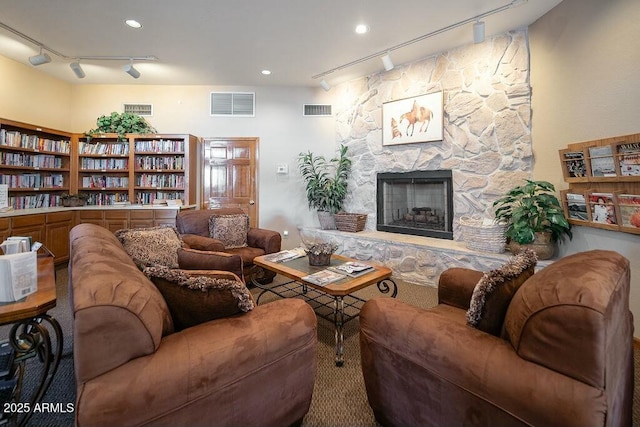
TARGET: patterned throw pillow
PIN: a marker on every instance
(151, 246)
(197, 296)
(494, 291)
(231, 230)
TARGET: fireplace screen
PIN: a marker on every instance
(418, 203)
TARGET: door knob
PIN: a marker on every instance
(252, 202)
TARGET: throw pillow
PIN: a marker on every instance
(152, 245)
(197, 296)
(495, 289)
(231, 230)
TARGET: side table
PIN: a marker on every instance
(30, 337)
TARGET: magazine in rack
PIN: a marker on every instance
(629, 159)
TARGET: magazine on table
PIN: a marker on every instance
(286, 255)
(323, 277)
(353, 268)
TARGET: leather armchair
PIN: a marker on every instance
(193, 225)
(564, 356)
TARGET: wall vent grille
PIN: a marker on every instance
(233, 104)
(323, 110)
(139, 109)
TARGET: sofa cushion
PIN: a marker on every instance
(152, 245)
(495, 289)
(197, 296)
(231, 230)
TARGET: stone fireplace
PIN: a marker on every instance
(419, 203)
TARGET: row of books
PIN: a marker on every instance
(605, 208)
(43, 200)
(30, 160)
(102, 148)
(102, 181)
(13, 138)
(164, 162)
(148, 197)
(32, 180)
(160, 180)
(104, 164)
(603, 161)
(107, 199)
(159, 146)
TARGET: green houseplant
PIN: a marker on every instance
(533, 216)
(326, 183)
(121, 123)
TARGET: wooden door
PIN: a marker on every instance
(230, 175)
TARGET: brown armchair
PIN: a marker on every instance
(563, 356)
(193, 225)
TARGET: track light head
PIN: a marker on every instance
(131, 71)
(387, 62)
(42, 58)
(77, 69)
(326, 86)
(478, 32)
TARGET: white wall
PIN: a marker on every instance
(585, 78)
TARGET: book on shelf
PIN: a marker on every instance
(602, 208)
(629, 159)
(577, 207)
(323, 277)
(285, 255)
(352, 268)
(602, 163)
(574, 162)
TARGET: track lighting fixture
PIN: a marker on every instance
(326, 86)
(40, 59)
(77, 69)
(131, 71)
(387, 62)
(478, 32)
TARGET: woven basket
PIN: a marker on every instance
(352, 222)
(483, 237)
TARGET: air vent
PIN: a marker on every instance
(139, 109)
(316, 110)
(233, 104)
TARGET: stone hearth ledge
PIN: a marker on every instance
(414, 259)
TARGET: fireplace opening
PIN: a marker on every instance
(418, 203)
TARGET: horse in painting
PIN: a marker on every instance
(418, 114)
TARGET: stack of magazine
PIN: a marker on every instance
(338, 272)
(285, 255)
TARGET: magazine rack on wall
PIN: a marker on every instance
(603, 176)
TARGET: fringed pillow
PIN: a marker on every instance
(152, 245)
(493, 293)
(231, 230)
(198, 296)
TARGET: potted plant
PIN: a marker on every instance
(326, 183)
(533, 217)
(320, 253)
(72, 200)
(121, 123)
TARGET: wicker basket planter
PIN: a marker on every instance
(351, 222)
(483, 237)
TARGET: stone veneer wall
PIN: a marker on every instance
(487, 135)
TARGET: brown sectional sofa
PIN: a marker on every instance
(564, 356)
(132, 368)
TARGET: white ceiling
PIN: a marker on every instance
(215, 42)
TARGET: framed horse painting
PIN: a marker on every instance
(417, 119)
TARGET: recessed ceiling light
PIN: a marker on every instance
(266, 72)
(362, 29)
(133, 23)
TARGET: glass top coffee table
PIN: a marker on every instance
(333, 301)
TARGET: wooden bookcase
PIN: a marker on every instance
(610, 166)
(35, 164)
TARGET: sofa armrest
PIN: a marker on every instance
(193, 259)
(449, 369)
(456, 285)
(268, 240)
(212, 365)
(202, 243)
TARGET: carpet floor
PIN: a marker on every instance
(339, 397)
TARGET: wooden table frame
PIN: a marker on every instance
(336, 291)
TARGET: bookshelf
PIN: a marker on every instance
(35, 163)
(603, 174)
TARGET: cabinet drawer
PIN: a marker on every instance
(59, 217)
(92, 214)
(165, 213)
(119, 214)
(142, 214)
(4, 223)
(28, 220)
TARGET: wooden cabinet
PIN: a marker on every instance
(57, 228)
(115, 220)
(5, 228)
(144, 218)
(35, 163)
(89, 216)
(29, 225)
(603, 174)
